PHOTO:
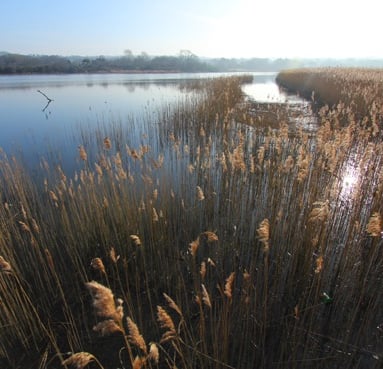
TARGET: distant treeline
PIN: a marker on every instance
(17, 63)
(185, 62)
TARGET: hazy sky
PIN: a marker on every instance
(212, 28)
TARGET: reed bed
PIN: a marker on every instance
(360, 90)
(208, 242)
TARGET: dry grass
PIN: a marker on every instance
(284, 270)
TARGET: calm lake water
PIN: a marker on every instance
(32, 128)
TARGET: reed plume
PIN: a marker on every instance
(229, 286)
(53, 196)
(154, 354)
(135, 336)
(210, 236)
(319, 264)
(172, 304)
(138, 362)
(205, 296)
(97, 264)
(167, 323)
(320, 211)
(261, 155)
(288, 164)
(98, 170)
(374, 225)
(155, 217)
(136, 240)
(103, 302)
(264, 233)
(24, 227)
(200, 194)
(79, 360)
(107, 143)
(82, 153)
(193, 247)
(113, 255)
(5, 266)
(303, 169)
(202, 270)
(107, 327)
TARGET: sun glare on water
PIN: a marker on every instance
(349, 182)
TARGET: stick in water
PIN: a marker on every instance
(42, 93)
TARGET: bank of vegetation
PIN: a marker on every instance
(185, 61)
(210, 242)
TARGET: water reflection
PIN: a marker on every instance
(39, 128)
(349, 181)
(265, 92)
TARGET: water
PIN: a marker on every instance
(32, 126)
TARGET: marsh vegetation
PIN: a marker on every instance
(218, 241)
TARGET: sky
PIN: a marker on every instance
(207, 28)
